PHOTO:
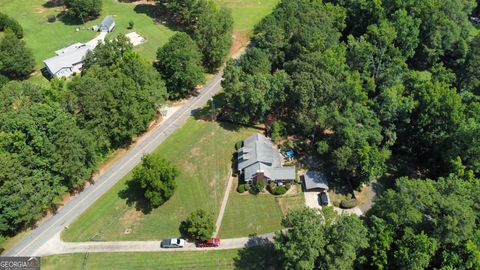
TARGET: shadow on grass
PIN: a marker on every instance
(53, 3)
(133, 194)
(258, 253)
(158, 15)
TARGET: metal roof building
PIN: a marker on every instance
(258, 155)
(315, 180)
(107, 24)
(68, 60)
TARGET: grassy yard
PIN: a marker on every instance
(248, 214)
(44, 38)
(202, 151)
(149, 260)
(247, 258)
(247, 13)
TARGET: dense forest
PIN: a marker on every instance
(374, 88)
(366, 83)
(53, 137)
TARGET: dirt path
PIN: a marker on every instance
(221, 213)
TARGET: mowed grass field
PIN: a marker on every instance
(247, 258)
(45, 38)
(247, 13)
(202, 151)
(223, 259)
(248, 214)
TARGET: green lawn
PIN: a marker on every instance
(202, 151)
(248, 214)
(247, 13)
(143, 260)
(247, 258)
(44, 38)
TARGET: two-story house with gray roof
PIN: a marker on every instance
(258, 158)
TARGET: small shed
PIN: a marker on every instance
(314, 180)
(107, 24)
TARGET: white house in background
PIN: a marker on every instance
(68, 60)
(107, 24)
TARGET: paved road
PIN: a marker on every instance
(72, 209)
(56, 246)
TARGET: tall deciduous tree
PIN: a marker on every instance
(16, 60)
(213, 33)
(199, 225)
(180, 64)
(156, 177)
(83, 10)
(9, 23)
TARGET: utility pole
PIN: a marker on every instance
(213, 109)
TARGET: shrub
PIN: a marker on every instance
(238, 145)
(347, 204)
(277, 130)
(130, 25)
(247, 187)
(280, 190)
(272, 186)
(322, 147)
(257, 188)
(241, 188)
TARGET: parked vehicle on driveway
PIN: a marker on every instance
(323, 198)
(173, 243)
(213, 242)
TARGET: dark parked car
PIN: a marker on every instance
(323, 198)
(213, 242)
(173, 243)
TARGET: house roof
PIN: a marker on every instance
(67, 60)
(259, 155)
(69, 49)
(256, 148)
(315, 179)
(107, 21)
(273, 173)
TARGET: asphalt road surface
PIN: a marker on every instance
(72, 209)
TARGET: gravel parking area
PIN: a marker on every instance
(311, 199)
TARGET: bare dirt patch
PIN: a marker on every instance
(39, 10)
(130, 217)
(240, 41)
(195, 152)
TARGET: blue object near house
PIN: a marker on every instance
(289, 153)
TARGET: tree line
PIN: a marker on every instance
(203, 47)
(375, 88)
(419, 224)
(365, 83)
(53, 138)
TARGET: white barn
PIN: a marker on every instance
(107, 24)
